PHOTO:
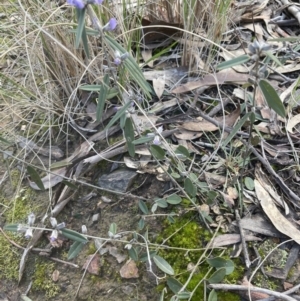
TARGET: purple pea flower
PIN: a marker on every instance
(77, 3)
(117, 61)
(98, 2)
(111, 25)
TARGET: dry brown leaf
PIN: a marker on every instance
(278, 220)
(228, 200)
(159, 86)
(230, 239)
(232, 192)
(92, 264)
(202, 125)
(292, 123)
(147, 55)
(129, 270)
(187, 135)
(55, 275)
(214, 179)
(229, 76)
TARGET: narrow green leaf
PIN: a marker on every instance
(85, 42)
(11, 227)
(69, 184)
(154, 208)
(144, 256)
(236, 128)
(35, 177)
(174, 285)
(272, 98)
(133, 254)
(143, 207)
(273, 57)
(219, 262)
(163, 265)
(90, 88)
(113, 228)
(118, 115)
(4, 140)
(234, 62)
(157, 152)
(213, 296)
(182, 151)
(80, 20)
(183, 295)
(129, 136)
(171, 219)
(73, 235)
(217, 276)
(143, 140)
(174, 199)
(75, 249)
(190, 188)
(131, 66)
(102, 97)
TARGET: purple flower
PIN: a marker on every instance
(117, 61)
(77, 3)
(111, 25)
(53, 236)
(98, 2)
(156, 140)
(28, 233)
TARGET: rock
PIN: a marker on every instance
(119, 180)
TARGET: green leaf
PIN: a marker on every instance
(171, 219)
(219, 262)
(11, 227)
(113, 228)
(90, 88)
(272, 98)
(183, 295)
(154, 207)
(129, 136)
(174, 285)
(234, 62)
(75, 249)
(73, 235)
(163, 265)
(35, 177)
(80, 28)
(141, 224)
(4, 140)
(85, 42)
(69, 184)
(118, 115)
(217, 276)
(144, 256)
(181, 150)
(236, 128)
(143, 207)
(273, 57)
(190, 188)
(161, 203)
(102, 97)
(143, 140)
(133, 254)
(174, 199)
(157, 152)
(131, 66)
(213, 296)
(249, 183)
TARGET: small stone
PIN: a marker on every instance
(119, 180)
(95, 217)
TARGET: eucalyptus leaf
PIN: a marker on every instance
(73, 235)
(35, 177)
(75, 249)
(163, 265)
(234, 62)
(272, 98)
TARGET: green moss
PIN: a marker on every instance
(42, 279)
(187, 233)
